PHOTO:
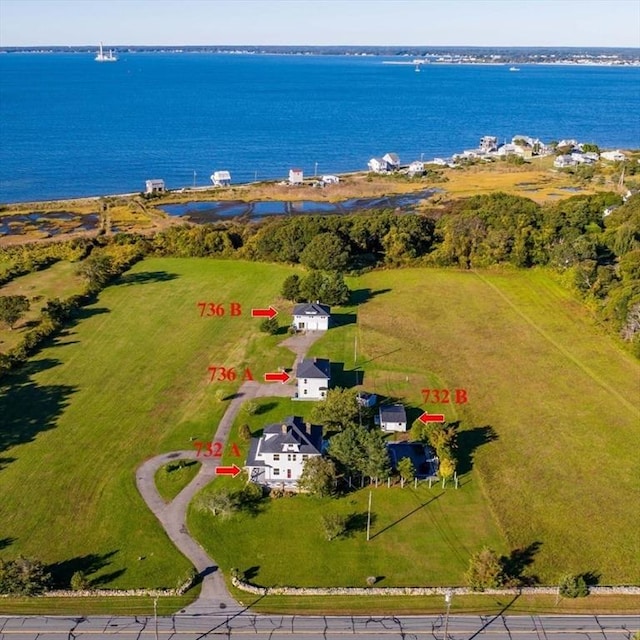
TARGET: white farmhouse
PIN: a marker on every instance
(393, 417)
(311, 316)
(278, 457)
(392, 160)
(313, 376)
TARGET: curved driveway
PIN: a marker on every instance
(214, 595)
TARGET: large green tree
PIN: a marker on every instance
(12, 308)
(319, 476)
(485, 571)
(327, 252)
(23, 577)
(339, 410)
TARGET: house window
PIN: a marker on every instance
(291, 457)
(305, 456)
(305, 381)
(276, 472)
(304, 392)
(288, 473)
(276, 456)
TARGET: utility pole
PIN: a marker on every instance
(155, 615)
(315, 171)
(369, 517)
(447, 599)
(194, 178)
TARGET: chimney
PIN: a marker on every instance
(284, 428)
(307, 428)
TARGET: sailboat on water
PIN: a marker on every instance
(105, 57)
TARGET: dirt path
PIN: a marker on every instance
(214, 595)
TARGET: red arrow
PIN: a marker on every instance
(431, 417)
(264, 313)
(283, 376)
(233, 470)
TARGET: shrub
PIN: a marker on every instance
(371, 580)
(270, 326)
(244, 433)
(573, 586)
(333, 525)
(79, 581)
(485, 571)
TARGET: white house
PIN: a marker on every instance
(311, 316)
(488, 144)
(278, 457)
(221, 178)
(393, 417)
(416, 168)
(377, 165)
(564, 161)
(295, 176)
(330, 179)
(613, 156)
(154, 186)
(392, 160)
(313, 376)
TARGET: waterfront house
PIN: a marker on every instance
(377, 165)
(221, 178)
(295, 176)
(393, 417)
(330, 179)
(392, 160)
(311, 316)
(313, 375)
(416, 168)
(613, 156)
(564, 161)
(154, 186)
(488, 144)
(278, 457)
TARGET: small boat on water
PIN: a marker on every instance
(105, 57)
(514, 68)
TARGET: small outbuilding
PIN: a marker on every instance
(393, 417)
(366, 399)
(296, 176)
(330, 179)
(311, 316)
(154, 186)
(221, 178)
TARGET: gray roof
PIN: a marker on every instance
(291, 430)
(314, 368)
(312, 309)
(393, 413)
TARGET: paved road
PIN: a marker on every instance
(323, 627)
(172, 516)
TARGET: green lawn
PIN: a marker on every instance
(549, 435)
(127, 382)
(57, 281)
(173, 477)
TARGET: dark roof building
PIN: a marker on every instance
(314, 368)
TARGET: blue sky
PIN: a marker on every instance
(608, 23)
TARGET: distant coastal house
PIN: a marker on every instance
(330, 179)
(563, 161)
(613, 156)
(278, 457)
(312, 316)
(313, 375)
(416, 168)
(488, 144)
(393, 417)
(295, 176)
(154, 186)
(221, 178)
(392, 160)
(377, 165)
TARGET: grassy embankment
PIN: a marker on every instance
(58, 281)
(547, 443)
(128, 381)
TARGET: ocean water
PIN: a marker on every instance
(72, 127)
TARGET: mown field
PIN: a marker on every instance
(127, 381)
(547, 444)
(548, 447)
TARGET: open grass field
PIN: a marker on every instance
(172, 478)
(128, 381)
(58, 281)
(548, 447)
